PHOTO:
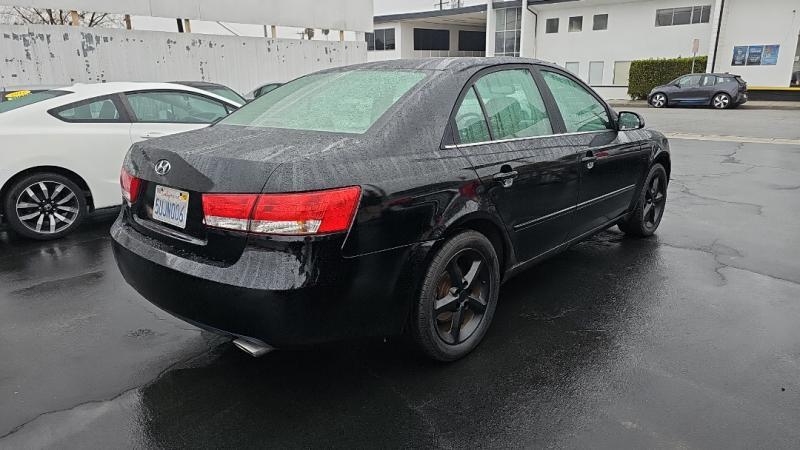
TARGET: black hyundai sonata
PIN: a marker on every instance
(380, 199)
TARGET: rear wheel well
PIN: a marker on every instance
(77, 179)
(492, 232)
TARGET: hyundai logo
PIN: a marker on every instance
(162, 167)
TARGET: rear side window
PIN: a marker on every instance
(708, 80)
(470, 121)
(175, 107)
(100, 110)
(18, 99)
(580, 109)
(513, 104)
(340, 102)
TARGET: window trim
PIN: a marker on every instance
(135, 119)
(115, 98)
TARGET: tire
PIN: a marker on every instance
(721, 100)
(646, 216)
(474, 303)
(658, 100)
(44, 206)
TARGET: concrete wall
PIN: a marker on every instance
(765, 22)
(631, 35)
(43, 54)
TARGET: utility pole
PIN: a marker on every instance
(128, 21)
(180, 25)
(341, 35)
(187, 25)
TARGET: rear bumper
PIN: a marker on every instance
(281, 298)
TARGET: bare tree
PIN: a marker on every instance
(309, 32)
(326, 33)
(16, 15)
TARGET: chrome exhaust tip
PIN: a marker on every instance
(254, 349)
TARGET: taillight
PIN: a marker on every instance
(130, 186)
(301, 213)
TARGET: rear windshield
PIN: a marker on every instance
(19, 100)
(340, 102)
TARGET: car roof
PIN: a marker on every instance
(199, 84)
(112, 87)
(453, 64)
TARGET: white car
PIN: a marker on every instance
(61, 150)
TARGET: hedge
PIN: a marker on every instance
(645, 74)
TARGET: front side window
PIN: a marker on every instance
(470, 121)
(101, 110)
(689, 81)
(340, 102)
(174, 107)
(575, 23)
(513, 104)
(580, 110)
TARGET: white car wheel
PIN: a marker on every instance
(658, 100)
(721, 101)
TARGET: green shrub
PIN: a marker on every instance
(646, 74)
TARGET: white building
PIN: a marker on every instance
(597, 39)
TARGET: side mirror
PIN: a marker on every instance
(628, 120)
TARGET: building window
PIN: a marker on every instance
(683, 16)
(507, 31)
(471, 41)
(428, 39)
(622, 71)
(552, 25)
(575, 23)
(573, 67)
(381, 39)
(600, 22)
(595, 73)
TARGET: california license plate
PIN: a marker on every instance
(171, 206)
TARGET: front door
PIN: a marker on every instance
(163, 112)
(688, 90)
(611, 162)
(504, 128)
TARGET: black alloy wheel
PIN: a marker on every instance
(646, 217)
(458, 297)
(45, 206)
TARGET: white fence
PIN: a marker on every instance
(61, 55)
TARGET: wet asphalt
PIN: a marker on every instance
(688, 339)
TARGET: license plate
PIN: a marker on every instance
(171, 206)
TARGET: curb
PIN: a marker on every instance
(752, 105)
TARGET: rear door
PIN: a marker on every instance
(611, 163)
(503, 125)
(162, 112)
(707, 88)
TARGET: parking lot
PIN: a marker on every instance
(687, 339)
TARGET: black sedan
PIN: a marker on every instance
(380, 199)
(718, 90)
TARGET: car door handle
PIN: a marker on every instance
(506, 178)
(152, 134)
(589, 159)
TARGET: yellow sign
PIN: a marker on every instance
(17, 94)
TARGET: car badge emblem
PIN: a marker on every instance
(162, 167)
